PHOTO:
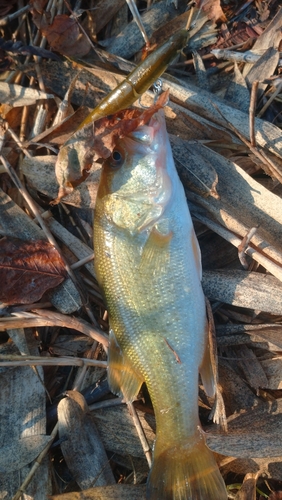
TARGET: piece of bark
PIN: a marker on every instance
(269, 467)
(235, 189)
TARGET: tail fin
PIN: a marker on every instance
(185, 473)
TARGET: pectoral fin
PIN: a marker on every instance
(156, 253)
(123, 379)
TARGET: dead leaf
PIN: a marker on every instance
(6, 6)
(40, 175)
(213, 9)
(65, 37)
(118, 433)
(244, 289)
(20, 48)
(21, 452)
(16, 95)
(81, 444)
(38, 5)
(109, 129)
(14, 220)
(76, 155)
(23, 424)
(28, 269)
(248, 489)
(104, 11)
(251, 367)
(273, 370)
(255, 433)
(116, 492)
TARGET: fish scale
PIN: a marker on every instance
(150, 276)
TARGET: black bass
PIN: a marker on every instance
(148, 265)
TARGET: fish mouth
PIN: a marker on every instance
(152, 136)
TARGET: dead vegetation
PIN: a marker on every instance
(57, 61)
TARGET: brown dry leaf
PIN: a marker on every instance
(117, 492)
(6, 6)
(109, 129)
(74, 161)
(14, 220)
(213, 9)
(81, 444)
(276, 495)
(65, 37)
(248, 489)
(60, 133)
(38, 5)
(28, 269)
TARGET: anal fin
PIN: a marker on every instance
(123, 379)
(207, 372)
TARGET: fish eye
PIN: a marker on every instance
(117, 158)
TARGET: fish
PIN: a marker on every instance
(148, 265)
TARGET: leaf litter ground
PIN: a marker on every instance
(224, 120)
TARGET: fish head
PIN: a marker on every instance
(135, 186)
